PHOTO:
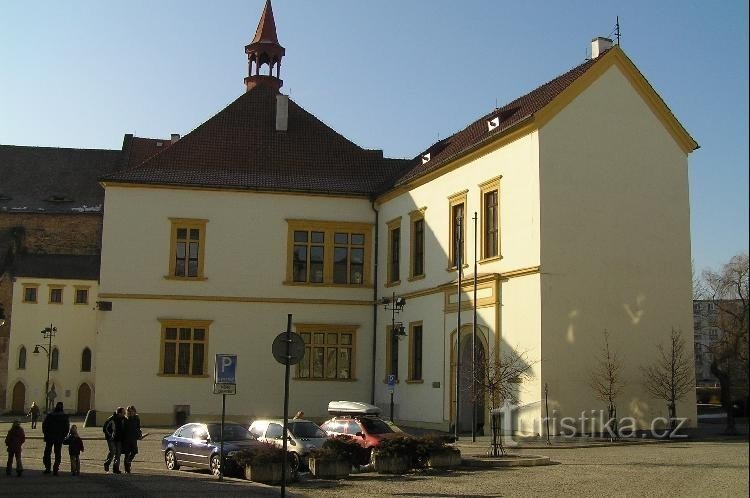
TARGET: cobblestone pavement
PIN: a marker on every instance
(664, 469)
(657, 469)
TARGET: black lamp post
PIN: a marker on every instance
(47, 333)
(395, 305)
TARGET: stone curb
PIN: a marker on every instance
(507, 461)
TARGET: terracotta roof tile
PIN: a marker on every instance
(240, 148)
(477, 132)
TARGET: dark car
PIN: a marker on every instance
(198, 445)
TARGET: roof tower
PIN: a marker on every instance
(264, 49)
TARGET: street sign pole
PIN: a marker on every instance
(286, 399)
(223, 412)
(225, 382)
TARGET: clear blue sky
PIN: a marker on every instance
(388, 74)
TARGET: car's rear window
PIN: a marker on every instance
(375, 426)
(232, 432)
(307, 429)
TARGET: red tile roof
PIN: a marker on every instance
(477, 132)
(240, 148)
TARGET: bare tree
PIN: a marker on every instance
(605, 380)
(670, 377)
(728, 290)
(498, 380)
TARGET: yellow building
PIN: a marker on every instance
(581, 198)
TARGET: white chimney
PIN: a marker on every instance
(282, 112)
(175, 137)
(599, 45)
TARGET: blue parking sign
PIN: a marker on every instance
(391, 380)
(225, 369)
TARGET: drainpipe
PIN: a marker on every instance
(374, 305)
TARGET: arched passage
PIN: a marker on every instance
(84, 399)
(18, 405)
(466, 395)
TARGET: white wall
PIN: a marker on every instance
(615, 244)
(518, 302)
(245, 267)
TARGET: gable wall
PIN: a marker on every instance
(615, 244)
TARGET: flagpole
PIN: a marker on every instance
(474, 345)
(458, 250)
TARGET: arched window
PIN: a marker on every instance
(54, 362)
(22, 358)
(86, 360)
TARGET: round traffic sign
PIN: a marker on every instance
(295, 352)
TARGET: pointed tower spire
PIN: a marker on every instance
(264, 49)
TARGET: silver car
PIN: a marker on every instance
(303, 436)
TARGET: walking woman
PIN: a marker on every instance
(132, 435)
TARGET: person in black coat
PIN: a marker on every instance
(55, 427)
(114, 433)
(132, 435)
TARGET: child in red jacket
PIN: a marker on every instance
(75, 447)
(14, 441)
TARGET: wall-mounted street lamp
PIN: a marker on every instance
(395, 305)
(47, 333)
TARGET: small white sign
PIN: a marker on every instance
(225, 388)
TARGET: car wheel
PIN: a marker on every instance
(294, 461)
(215, 465)
(170, 459)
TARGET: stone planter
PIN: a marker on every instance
(396, 464)
(444, 459)
(267, 473)
(329, 469)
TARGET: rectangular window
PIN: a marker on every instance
(415, 351)
(416, 268)
(309, 250)
(457, 230)
(329, 352)
(30, 293)
(55, 295)
(393, 275)
(394, 251)
(187, 248)
(328, 253)
(184, 344)
(348, 258)
(82, 295)
(490, 195)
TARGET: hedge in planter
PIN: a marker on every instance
(394, 454)
(336, 458)
(433, 452)
(264, 462)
